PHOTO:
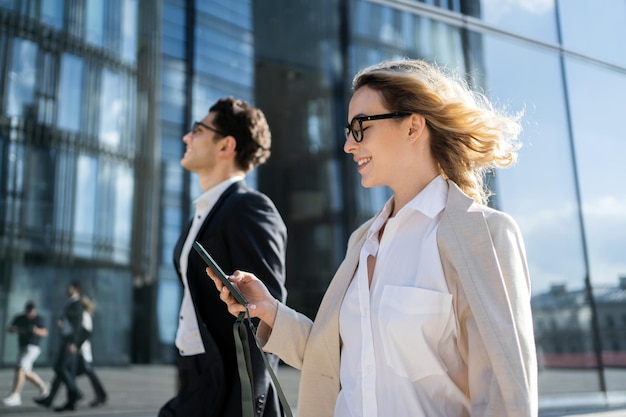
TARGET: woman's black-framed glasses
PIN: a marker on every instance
(204, 125)
(356, 125)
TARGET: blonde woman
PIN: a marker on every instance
(429, 314)
(85, 357)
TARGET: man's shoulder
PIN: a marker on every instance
(248, 197)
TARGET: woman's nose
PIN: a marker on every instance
(350, 144)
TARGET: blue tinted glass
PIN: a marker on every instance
(129, 30)
(544, 206)
(38, 190)
(167, 311)
(22, 78)
(94, 22)
(8, 4)
(535, 19)
(52, 13)
(111, 109)
(604, 28)
(85, 206)
(122, 219)
(70, 93)
(598, 125)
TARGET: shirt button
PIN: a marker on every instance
(181, 317)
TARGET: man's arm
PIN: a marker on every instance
(258, 242)
(40, 330)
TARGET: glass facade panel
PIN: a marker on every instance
(8, 4)
(111, 110)
(38, 192)
(129, 30)
(70, 93)
(600, 148)
(604, 28)
(173, 87)
(22, 75)
(51, 13)
(63, 201)
(534, 19)
(173, 36)
(85, 206)
(94, 22)
(296, 59)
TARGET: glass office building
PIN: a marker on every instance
(96, 95)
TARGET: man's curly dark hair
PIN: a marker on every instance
(247, 124)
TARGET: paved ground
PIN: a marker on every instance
(134, 391)
(139, 391)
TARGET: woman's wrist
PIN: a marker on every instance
(270, 315)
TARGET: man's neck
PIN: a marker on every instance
(209, 181)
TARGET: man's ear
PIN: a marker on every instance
(228, 145)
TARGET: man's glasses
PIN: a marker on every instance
(212, 129)
(356, 125)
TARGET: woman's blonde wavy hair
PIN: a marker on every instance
(468, 136)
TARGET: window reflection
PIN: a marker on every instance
(597, 121)
(129, 30)
(124, 187)
(544, 206)
(38, 191)
(52, 13)
(85, 206)
(70, 89)
(22, 76)
(111, 109)
(94, 22)
(535, 19)
(604, 31)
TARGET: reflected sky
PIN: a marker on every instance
(540, 190)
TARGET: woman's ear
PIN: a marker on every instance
(417, 127)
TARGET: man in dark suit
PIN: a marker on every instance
(241, 229)
(65, 364)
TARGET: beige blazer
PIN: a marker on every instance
(484, 263)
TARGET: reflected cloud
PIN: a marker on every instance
(503, 7)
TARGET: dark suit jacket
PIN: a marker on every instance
(243, 231)
(73, 316)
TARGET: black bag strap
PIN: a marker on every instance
(244, 364)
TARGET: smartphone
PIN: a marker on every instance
(221, 275)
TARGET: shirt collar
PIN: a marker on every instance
(431, 200)
(210, 196)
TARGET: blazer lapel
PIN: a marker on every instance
(328, 312)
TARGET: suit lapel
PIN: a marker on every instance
(220, 201)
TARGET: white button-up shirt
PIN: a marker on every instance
(188, 339)
(399, 354)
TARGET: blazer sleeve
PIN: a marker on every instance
(511, 255)
(257, 242)
(496, 321)
(289, 335)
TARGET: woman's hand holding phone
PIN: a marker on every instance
(261, 303)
